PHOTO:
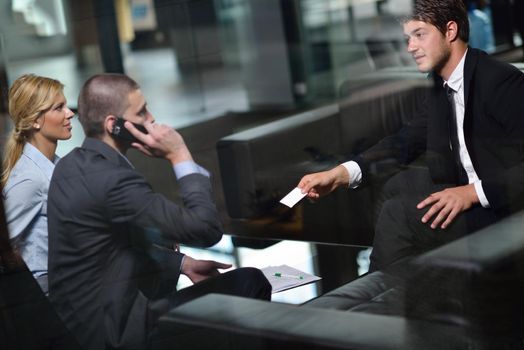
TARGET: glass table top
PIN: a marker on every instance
(329, 261)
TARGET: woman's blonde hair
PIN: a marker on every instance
(30, 96)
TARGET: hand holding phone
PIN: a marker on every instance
(120, 131)
(163, 142)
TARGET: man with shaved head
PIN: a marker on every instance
(113, 261)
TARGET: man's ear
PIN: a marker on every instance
(452, 31)
(109, 122)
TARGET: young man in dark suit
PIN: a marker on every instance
(113, 265)
(471, 129)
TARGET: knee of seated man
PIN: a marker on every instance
(392, 207)
(398, 217)
(405, 205)
(411, 182)
(255, 281)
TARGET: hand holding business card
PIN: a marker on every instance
(293, 197)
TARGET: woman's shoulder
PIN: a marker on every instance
(26, 176)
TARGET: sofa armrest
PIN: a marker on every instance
(477, 280)
(277, 146)
(285, 326)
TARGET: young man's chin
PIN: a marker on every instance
(423, 68)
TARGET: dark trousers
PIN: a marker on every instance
(245, 282)
(399, 232)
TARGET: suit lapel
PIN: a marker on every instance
(469, 68)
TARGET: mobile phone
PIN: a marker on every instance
(120, 131)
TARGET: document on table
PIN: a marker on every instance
(284, 277)
(293, 197)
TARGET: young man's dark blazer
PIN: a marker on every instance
(107, 232)
(493, 130)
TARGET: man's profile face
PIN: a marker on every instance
(137, 111)
(427, 45)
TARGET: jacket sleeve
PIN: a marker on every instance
(505, 189)
(130, 200)
(397, 150)
(161, 269)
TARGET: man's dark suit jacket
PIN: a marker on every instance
(107, 233)
(493, 130)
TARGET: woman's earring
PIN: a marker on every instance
(37, 126)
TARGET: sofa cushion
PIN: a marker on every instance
(372, 291)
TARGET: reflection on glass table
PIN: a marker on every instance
(328, 261)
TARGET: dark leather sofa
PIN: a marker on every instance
(464, 295)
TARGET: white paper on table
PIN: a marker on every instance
(280, 284)
(293, 197)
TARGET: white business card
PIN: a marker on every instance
(293, 197)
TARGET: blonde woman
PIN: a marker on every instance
(40, 116)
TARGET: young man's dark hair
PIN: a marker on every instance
(470, 131)
(440, 12)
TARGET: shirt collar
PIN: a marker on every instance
(456, 78)
(40, 160)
